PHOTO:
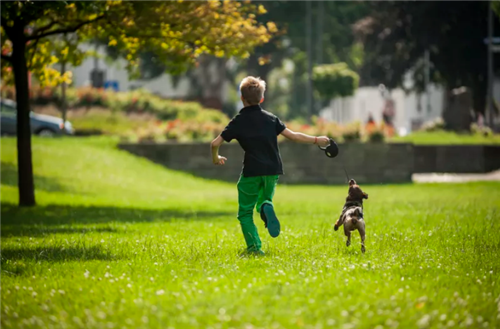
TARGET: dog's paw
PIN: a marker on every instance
(363, 249)
(335, 228)
(348, 243)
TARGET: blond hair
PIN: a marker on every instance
(252, 89)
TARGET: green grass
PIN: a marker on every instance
(106, 122)
(445, 137)
(119, 242)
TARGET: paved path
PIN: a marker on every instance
(456, 178)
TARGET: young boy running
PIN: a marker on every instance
(257, 133)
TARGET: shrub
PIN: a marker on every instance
(192, 130)
(433, 125)
(325, 128)
(376, 136)
(477, 130)
(155, 132)
(137, 101)
(351, 133)
(335, 80)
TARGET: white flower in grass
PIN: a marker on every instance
(160, 292)
(424, 321)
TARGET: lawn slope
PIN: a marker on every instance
(119, 242)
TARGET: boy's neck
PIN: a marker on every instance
(245, 104)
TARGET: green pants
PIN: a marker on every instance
(253, 191)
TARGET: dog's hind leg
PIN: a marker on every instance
(339, 221)
(361, 230)
(348, 234)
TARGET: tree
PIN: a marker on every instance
(335, 80)
(177, 32)
(396, 35)
(332, 36)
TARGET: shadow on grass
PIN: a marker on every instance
(41, 230)
(38, 220)
(51, 254)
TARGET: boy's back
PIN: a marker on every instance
(256, 131)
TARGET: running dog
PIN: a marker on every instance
(352, 214)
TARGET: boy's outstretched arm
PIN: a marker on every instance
(216, 158)
(303, 138)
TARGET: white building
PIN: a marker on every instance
(411, 110)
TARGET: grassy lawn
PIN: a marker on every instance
(119, 242)
(98, 120)
(445, 137)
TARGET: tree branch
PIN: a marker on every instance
(7, 58)
(65, 30)
(46, 27)
(33, 54)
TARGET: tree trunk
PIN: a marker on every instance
(63, 94)
(24, 163)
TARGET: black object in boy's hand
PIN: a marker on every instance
(331, 150)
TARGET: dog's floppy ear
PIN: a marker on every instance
(365, 195)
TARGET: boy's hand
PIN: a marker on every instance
(323, 141)
(221, 161)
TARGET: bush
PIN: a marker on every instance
(335, 80)
(376, 136)
(137, 101)
(434, 125)
(192, 130)
(325, 128)
(352, 133)
(483, 131)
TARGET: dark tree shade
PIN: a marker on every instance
(396, 35)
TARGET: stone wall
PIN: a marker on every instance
(456, 158)
(303, 164)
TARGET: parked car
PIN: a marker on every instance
(41, 125)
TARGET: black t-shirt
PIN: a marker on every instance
(257, 132)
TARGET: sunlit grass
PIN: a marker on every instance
(117, 241)
(445, 138)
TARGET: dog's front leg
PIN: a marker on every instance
(361, 230)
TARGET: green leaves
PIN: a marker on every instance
(335, 80)
(177, 33)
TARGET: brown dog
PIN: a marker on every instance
(352, 214)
